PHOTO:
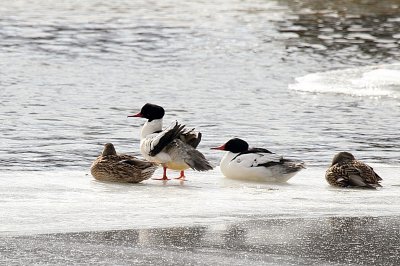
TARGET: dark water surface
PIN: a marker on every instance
(71, 71)
(323, 241)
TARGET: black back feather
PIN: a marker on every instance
(269, 164)
(253, 150)
(256, 150)
(168, 137)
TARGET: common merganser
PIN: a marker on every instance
(256, 164)
(173, 147)
(346, 171)
(110, 166)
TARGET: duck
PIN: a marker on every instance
(346, 171)
(256, 164)
(173, 147)
(113, 167)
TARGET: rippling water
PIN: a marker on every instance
(71, 72)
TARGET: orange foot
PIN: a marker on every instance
(165, 178)
(182, 176)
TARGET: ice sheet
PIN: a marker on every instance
(47, 202)
(380, 80)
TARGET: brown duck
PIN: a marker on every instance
(346, 171)
(110, 166)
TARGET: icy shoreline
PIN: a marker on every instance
(59, 202)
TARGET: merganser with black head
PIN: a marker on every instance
(256, 164)
(346, 171)
(173, 147)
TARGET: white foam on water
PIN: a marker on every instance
(381, 80)
(47, 202)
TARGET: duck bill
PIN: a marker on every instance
(221, 148)
(136, 115)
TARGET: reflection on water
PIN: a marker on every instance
(184, 237)
(342, 240)
(366, 29)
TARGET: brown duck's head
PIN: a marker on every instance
(342, 157)
(109, 150)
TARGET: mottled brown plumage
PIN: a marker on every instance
(346, 171)
(110, 166)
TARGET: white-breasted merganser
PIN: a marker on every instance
(173, 147)
(346, 171)
(256, 164)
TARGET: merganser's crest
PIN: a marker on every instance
(150, 112)
(240, 146)
(235, 145)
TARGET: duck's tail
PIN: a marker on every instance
(357, 181)
(197, 161)
(293, 165)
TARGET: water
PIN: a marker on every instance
(303, 79)
(71, 72)
(322, 241)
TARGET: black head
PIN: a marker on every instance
(342, 157)
(235, 145)
(150, 112)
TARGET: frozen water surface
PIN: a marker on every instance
(206, 220)
(373, 81)
(39, 202)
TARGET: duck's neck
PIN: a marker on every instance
(227, 159)
(151, 127)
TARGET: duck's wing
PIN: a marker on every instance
(362, 175)
(191, 137)
(336, 175)
(180, 151)
(140, 164)
(156, 142)
(257, 157)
